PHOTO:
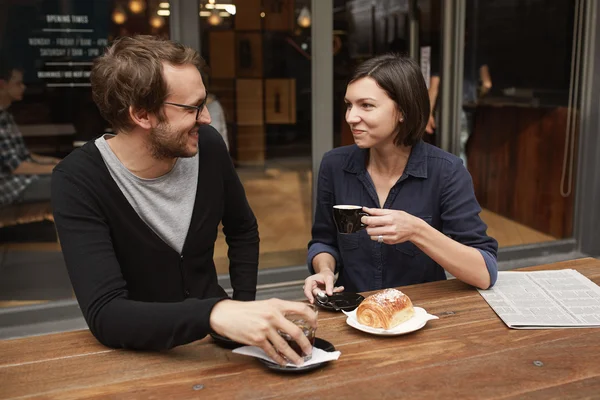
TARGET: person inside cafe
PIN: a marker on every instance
(24, 176)
(477, 82)
(137, 213)
(423, 215)
(215, 109)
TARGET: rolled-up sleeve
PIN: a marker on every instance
(492, 266)
(10, 161)
(324, 233)
(460, 217)
(13, 150)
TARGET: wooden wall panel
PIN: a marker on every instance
(515, 158)
(222, 54)
(249, 104)
(247, 15)
(279, 15)
(224, 89)
(249, 55)
(251, 145)
(280, 101)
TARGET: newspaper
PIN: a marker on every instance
(545, 299)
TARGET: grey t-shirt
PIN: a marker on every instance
(165, 203)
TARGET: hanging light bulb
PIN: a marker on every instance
(304, 17)
(215, 19)
(118, 16)
(137, 6)
(157, 21)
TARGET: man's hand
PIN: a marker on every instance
(32, 168)
(256, 323)
(430, 125)
(45, 159)
(318, 282)
(393, 226)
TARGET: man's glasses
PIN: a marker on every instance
(187, 106)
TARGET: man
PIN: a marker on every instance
(137, 213)
(474, 73)
(24, 176)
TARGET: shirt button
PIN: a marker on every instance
(186, 293)
(181, 257)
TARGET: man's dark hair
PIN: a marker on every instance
(130, 73)
(7, 68)
(401, 78)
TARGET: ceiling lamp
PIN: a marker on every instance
(304, 17)
(137, 6)
(157, 21)
(118, 16)
(215, 19)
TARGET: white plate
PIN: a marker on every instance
(415, 323)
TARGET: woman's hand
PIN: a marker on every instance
(323, 281)
(393, 226)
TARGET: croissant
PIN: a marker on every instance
(386, 309)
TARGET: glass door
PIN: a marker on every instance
(504, 99)
(50, 45)
(361, 30)
(259, 58)
(516, 120)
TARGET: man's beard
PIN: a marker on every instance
(166, 143)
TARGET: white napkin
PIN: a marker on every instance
(318, 355)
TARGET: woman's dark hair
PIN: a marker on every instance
(402, 80)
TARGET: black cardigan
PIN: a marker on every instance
(134, 290)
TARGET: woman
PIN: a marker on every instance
(423, 216)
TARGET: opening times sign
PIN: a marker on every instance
(68, 47)
(65, 48)
(56, 41)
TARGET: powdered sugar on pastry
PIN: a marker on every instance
(388, 296)
(385, 309)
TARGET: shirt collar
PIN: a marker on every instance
(416, 166)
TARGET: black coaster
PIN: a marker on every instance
(224, 341)
(341, 301)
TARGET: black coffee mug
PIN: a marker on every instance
(347, 218)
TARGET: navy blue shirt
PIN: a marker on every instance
(435, 187)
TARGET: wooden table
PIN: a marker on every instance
(54, 139)
(468, 353)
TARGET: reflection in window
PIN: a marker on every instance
(54, 43)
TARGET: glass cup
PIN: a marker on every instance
(307, 329)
